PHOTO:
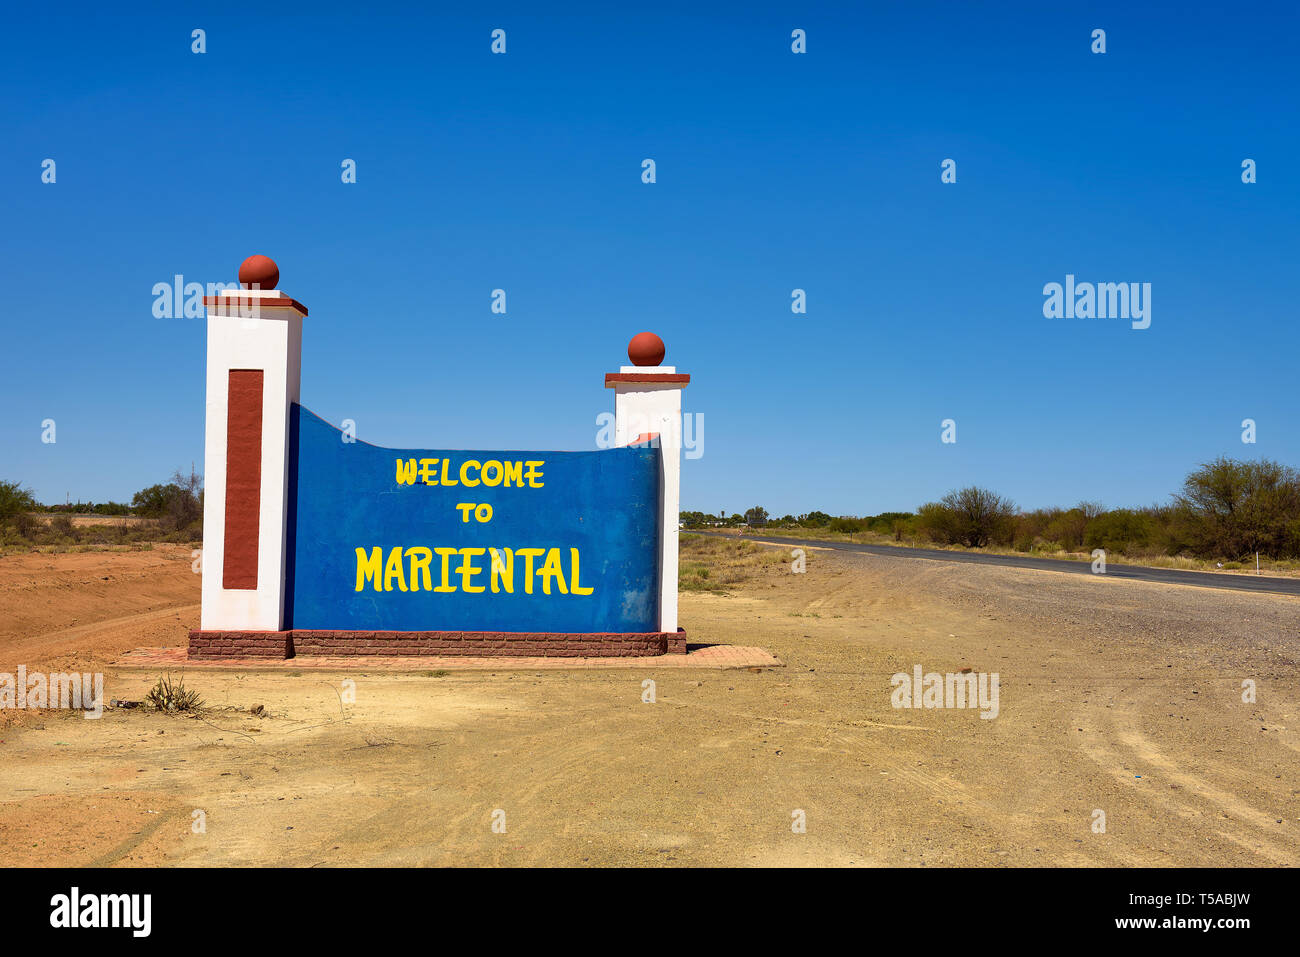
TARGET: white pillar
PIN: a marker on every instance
(254, 346)
(648, 402)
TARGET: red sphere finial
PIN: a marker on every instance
(646, 349)
(260, 271)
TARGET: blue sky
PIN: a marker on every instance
(775, 171)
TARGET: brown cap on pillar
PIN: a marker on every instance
(260, 271)
(646, 349)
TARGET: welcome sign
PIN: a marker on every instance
(315, 543)
(420, 540)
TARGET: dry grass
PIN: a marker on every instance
(716, 565)
(24, 548)
(85, 520)
(58, 533)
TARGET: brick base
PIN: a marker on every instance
(481, 644)
(241, 644)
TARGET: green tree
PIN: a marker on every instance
(814, 520)
(15, 500)
(970, 516)
(152, 502)
(1233, 509)
(177, 504)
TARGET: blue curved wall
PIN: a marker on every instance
(346, 495)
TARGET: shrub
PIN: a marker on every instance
(176, 505)
(26, 524)
(971, 516)
(937, 523)
(1121, 530)
(1233, 509)
(887, 523)
(171, 696)
(15, 500)
(1067, 528)
(61, 527)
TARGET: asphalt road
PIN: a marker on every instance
(1166, 576)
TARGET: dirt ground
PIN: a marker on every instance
(1118, 697)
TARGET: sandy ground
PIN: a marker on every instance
(1118, 697)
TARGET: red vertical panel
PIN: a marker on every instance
(243, 477)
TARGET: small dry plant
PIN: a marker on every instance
(171, 696)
